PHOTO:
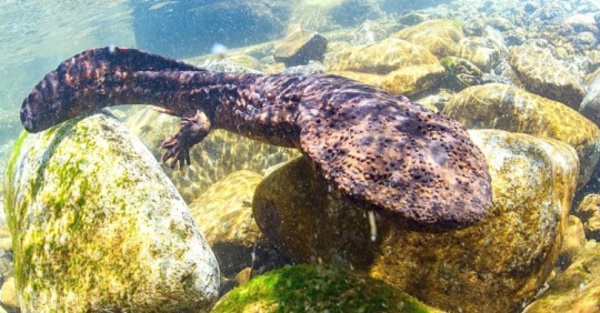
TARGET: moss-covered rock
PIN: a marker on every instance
(544, 75)
(381, 57)
(508, 108)
(318, 288)
(438, 36)
(98, 227)
(493, 266)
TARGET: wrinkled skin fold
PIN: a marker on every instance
(380, 150)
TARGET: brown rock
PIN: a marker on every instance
(493, 266)
(508, 108)
(300, 46)
(542, 74)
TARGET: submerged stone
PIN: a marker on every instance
(407, 81)
(300, 46)
(224, 213)
(544, 75)
(438, 36)
(381, 57)
(577, 289)
(318, 288)
(589, 213)
(493, 266)
(512, 109)
(98, 227)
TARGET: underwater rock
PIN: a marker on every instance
(318, 288)
(224, 213)
(573, 242)
(479, 50)
(590, 106)
(508, 108)
(544, 75)
(219, 154)
(8, 295)
(438, 36)
(589, 213)
(460, 73)
(300, 46)
(98, 227)
(406, 81)
(577, 289)
(369, 32)
(493, 266)
(381, 57)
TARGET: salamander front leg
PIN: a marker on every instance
(193, 129)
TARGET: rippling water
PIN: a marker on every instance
(36, 35)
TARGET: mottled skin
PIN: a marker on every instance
(377, 149)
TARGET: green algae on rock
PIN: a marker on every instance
(318, 288)
(492, 266)
(512, 109)
(98, 227)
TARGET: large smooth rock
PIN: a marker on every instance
(318, 288)
(438, 36)
(512, 109)
(381, 58)
(544, 75)
(494, 266)
(98, 227)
